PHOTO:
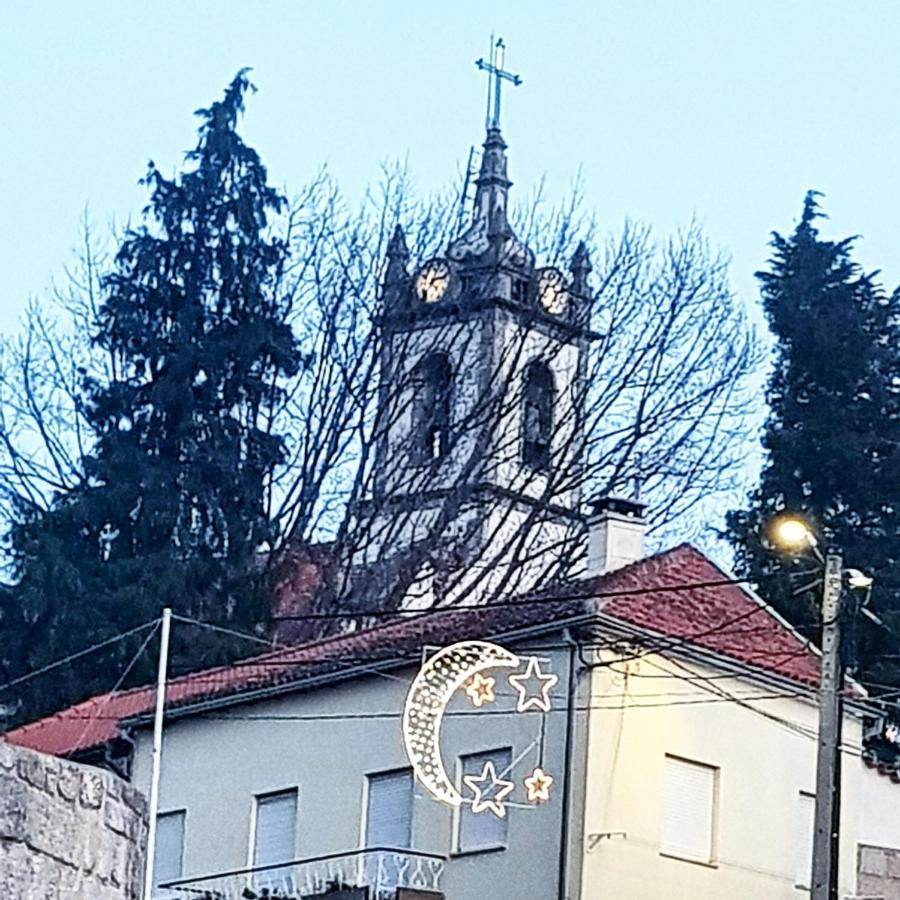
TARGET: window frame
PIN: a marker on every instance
(519, 291)
(254, 823)
(367, 793)
(715, 801)
(457, 848)
(158, 893)
(801, 796)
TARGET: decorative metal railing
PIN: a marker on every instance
(375, 873)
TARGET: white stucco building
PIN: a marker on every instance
(680, 739)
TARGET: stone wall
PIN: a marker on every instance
(67, 831)
(878, 873)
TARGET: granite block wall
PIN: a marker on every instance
(67, 831)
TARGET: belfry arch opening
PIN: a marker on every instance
(539, 394)
(433, 404)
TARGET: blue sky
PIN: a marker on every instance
(727, 110)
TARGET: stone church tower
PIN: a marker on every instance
(477, 490)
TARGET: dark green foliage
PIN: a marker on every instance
(833, 433)
(171, 508)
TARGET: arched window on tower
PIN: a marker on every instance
(537, 416)
(431, 416)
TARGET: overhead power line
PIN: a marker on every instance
(22, 679)
(583, 594)
(124, 674)
(483, 711)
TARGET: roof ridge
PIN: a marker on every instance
(648, 605)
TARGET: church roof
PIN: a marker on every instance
(679, 597)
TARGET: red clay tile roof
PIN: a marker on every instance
(720, 617)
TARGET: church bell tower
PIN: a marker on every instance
(479, 435)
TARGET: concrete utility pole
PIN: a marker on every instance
(825, 843)
(161, 677)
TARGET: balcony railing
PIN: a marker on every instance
(371, 874)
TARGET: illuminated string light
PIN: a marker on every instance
(489, 791)
(480, 689)
(528, 699)
(537, 786)
(432, 689)
(463, 666)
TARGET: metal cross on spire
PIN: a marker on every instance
(496, 76)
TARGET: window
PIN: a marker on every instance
(168, 855)
(537, 417)
(803, 840)
(483, 830)
(389, 806)
(689, 810)
(431, 437)
(275, 829)
(519, 290)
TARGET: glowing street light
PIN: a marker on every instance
(793, 534)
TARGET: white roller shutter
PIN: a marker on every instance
(275, 836)
(389, 810)
(803, 840)
(689, 808)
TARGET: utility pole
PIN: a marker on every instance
(827, 811)
(161, 676)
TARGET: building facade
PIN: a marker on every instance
(680, 740)
(701, 783)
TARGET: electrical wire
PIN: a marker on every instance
(22, 679)
(585, 594)
(393, 656)
(391, 715)
(272, 645)
(120, 680)
(355, 662)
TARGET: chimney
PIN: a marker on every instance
(616, 529)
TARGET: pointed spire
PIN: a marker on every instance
(581, 267)
(492, 193)
(397, 258)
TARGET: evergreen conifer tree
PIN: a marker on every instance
(171, 507)
(833, 431)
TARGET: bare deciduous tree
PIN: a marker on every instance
(656, 399)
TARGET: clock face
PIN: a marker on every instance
(433, 280)
(552, 291)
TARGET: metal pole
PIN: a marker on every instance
(157, 749)
(827, 821)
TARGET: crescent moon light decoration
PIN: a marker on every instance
(439, 678)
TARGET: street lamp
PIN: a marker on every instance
(794, 534)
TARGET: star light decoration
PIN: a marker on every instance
(480, 689)
(527, 698)
(489, 791)
(462, 665)
(537, 786)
